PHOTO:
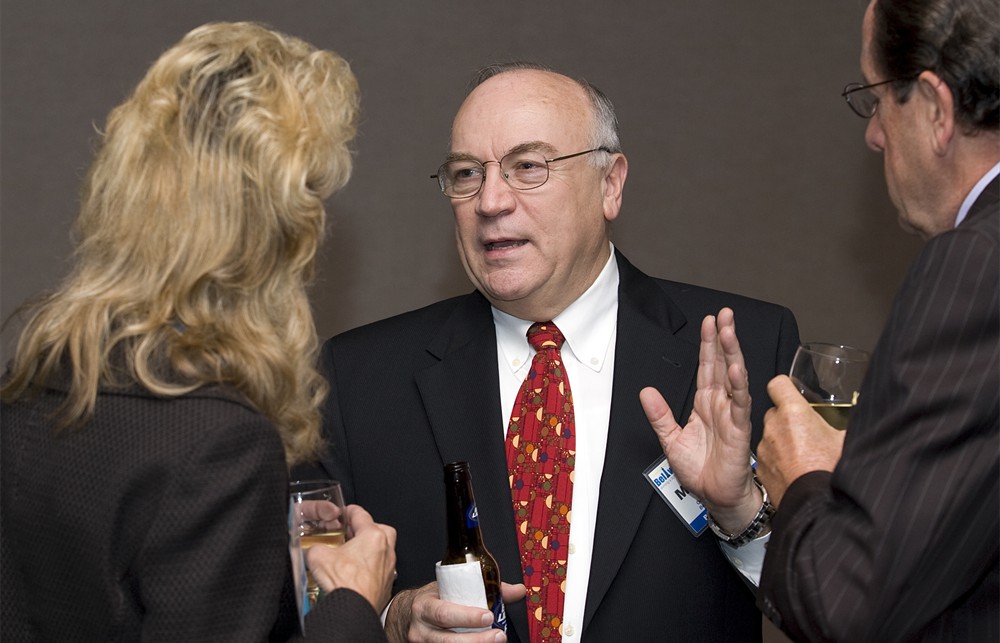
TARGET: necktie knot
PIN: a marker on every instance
(544, 335)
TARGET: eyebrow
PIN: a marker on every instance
(528, 146)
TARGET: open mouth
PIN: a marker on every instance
(505, 244)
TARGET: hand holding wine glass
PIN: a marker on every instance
(366, 563)
(829, 376)
(317, 518)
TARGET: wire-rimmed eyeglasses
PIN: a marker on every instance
(862, 100)
(522, 169)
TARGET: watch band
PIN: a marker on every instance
(755, 526)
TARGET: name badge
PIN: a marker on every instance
(688, 508)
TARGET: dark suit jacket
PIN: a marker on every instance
(902, 541)
(413, 392)
(160, 520)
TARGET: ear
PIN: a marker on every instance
(614, 185)
(939, 110)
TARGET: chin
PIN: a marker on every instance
(907, 227)
(506, 284)
(503, 295)
(923, 229)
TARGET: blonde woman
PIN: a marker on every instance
(158, 396)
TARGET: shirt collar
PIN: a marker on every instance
(588, 324)
(974, 194)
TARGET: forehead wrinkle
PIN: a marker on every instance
(533, 146)
(546, 149)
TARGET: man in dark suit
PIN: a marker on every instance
(894, 532)
(535, 176)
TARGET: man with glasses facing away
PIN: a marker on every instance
(893, 533)
(535, 176)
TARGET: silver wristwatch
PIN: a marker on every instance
(753, 529)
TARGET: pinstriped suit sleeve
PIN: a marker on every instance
(902, 541)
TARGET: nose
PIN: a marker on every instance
(874, 135)
(496, 196)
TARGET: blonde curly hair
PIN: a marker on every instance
(200, 218)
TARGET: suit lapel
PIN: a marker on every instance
(647, 353)
(461, 395)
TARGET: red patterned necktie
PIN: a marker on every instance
(541, 449)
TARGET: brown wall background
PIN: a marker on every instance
(747, 172)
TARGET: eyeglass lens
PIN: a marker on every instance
(522, 170)
(862, 100)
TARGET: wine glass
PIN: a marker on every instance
(829, 377)
(316, 517)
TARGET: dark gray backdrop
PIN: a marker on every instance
(747, 172)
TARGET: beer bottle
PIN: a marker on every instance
(466, 548)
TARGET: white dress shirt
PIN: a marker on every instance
(589, 325)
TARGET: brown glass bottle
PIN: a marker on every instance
(465, 539)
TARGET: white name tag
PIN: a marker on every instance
(688, 508)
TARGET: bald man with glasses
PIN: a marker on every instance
(535, 176)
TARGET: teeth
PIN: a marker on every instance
(502, 245)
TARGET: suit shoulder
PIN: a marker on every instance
(972, 250)
(689, 295)
(211, 405)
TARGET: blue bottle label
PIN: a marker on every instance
(499, 615)
(472, 516)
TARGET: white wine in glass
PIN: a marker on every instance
(829, 377)
(318, 514)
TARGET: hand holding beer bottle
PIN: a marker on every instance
(418, 615)
(467, 574)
